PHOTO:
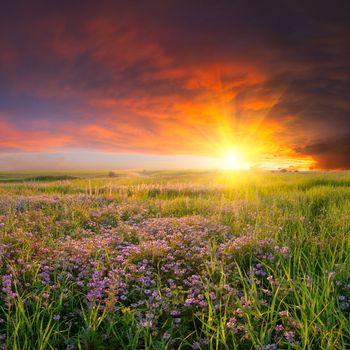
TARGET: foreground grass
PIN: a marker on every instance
(175, 261)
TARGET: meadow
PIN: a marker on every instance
(175, 260)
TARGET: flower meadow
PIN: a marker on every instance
(176, 261)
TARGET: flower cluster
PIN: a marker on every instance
(93, 261)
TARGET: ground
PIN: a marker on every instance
(175, 260)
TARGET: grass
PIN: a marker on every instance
(175, 260)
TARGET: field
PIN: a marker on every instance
(175, 260)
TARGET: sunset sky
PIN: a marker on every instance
(174, 84)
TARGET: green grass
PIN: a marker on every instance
(269, 250)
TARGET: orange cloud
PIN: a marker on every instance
(15, 139)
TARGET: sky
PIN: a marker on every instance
(174, 84)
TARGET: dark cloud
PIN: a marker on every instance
(331, 153)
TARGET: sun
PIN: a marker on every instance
(233, 160)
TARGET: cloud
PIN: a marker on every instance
(174, 77)
(14, 139)
(331, 153)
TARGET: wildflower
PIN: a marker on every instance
(279, 328)
(166, 335)
(289, 336)
(267, 347)
(271, 257)
(284, 250)
(239, 312)
(294, 323)
(175, 313)
(7, 289)
(231, 322)
(146, 323)
(190, 301)
(344, 306)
